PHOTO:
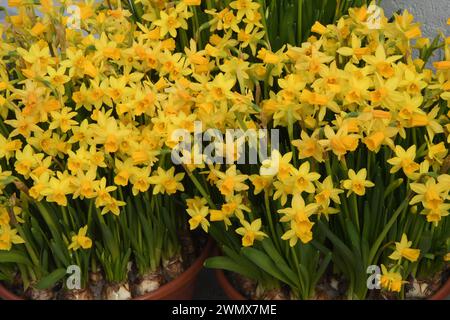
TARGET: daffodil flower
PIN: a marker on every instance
(357, 182)
(198, 217)
(391, 280)
(250, 232)
(404, 160)
(81, 241)
(403, 250)
(8, 237)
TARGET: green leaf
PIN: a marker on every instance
(339, 245)
(228, 264)
(354, 237)
(4, 277)
(321, 270)
(244, 261)
(392, 186)
(387, 227)
(278, 259)
(60, 253)
(425, 242)
(367, 224)
(14, 256)
(50, 280)
(264, 262)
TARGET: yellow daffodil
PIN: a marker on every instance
(357, 182)
(298, 210)
(404, 160)
(244, 7)
(8, 237)
(430, 194)
(319, 28)
(390, 280)
(298, 231)
(250, 232)
(198, 217)
(231, 181)
(260, 182)
(447, 257)
(221, 215)
(326, 192)
(340, 142)
(112, 205)
(304, 178)
(403, 250)
(309, 147)
(167, 181)
(169, 23)
(234, 206)
(80, 241)
(382, 63)
(89, 114)
(283, 189)
(278, 165)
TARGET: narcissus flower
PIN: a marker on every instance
(245, 7)
(298, 231)
(309, 147)
(168, 23)
(81, 240)
(431, 194)
(357, 182)
(403, 250)
(198, 217)
(8, 237)
(278, 165)
(298, 210)
(250, 232)
(390, 280)
(260, 182)
(167, 181)
(231, 181)
(327, 192)
(404, 160)
(304, 178)
(340, 142)
(223, 214)
(319, 28)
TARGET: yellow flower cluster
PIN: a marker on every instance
(348, 94)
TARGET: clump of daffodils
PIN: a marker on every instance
(86, 114)
(367, 131)
(90, 116)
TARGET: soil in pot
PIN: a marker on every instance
(238, 288)
(181, 286)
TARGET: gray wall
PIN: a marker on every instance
(433, 14)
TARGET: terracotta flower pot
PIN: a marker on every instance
(8, 295)
(227, 287)
(442, 293)
(182, 288)
(234, 294)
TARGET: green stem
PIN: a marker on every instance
(264, 22)
(199, 187)
(299, 22)
(269, 215)
(386, 229)
(291, 135)
(355, 211)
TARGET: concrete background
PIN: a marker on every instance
(433, 14)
